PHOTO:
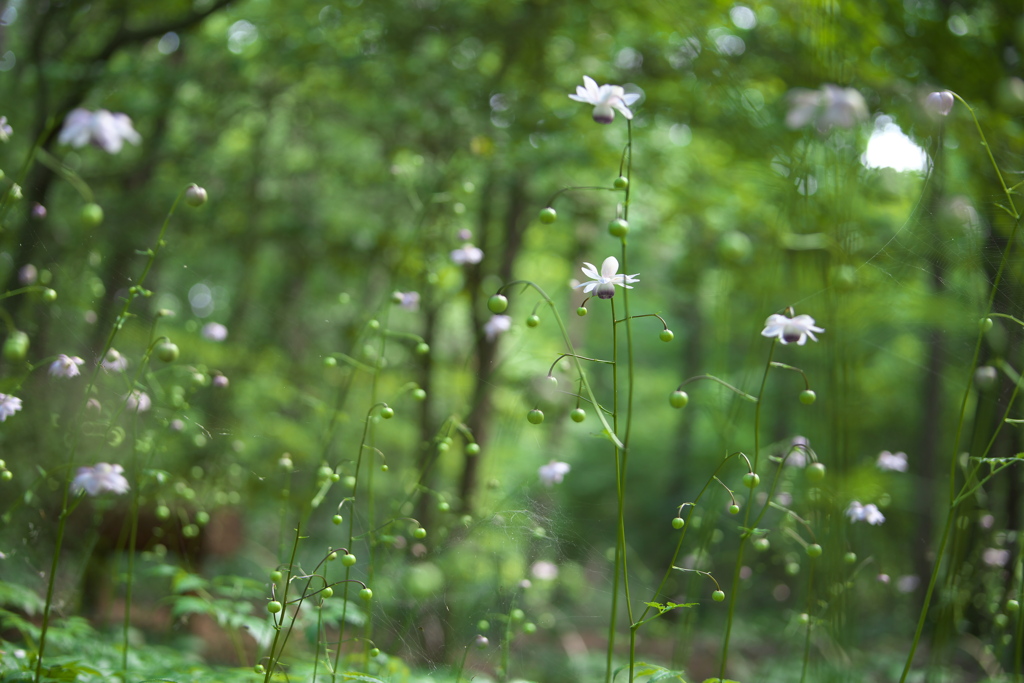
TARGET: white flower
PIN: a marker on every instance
(138, 401)
(995, 557)
(892, 462)
(865, 513)
(606, 99)
(796, 329)
(114, 361)
(827, 107)
(467, 253)
(544, 570)
(605, 281)
(907, 583)
(553, 473)
(5, 129)
(65, 366)
(102, 477)
(107, 131)
(9, 405)
(215, 332)
(940, 103)
(410, 301)
(498, 324)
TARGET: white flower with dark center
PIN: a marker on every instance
(606, 99)
(65, 366)
(788, 330)
(553, 473)
(215, 332)
(497, 325)
(102, 477)
(892, 462)
(9, 405)
(605, 281)
(138, 401)
(101, 128)
(5, 129)
(826, 107)
(865, 513)
(940, 103)
(114, 361)
(467, 253)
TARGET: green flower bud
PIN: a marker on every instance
(734, 509)
(91, 215)
(807, 397)
(850, 558)
(375, 652)
(330, 362)
(274, 606)
(348, 560)
(578, 415)
(472, 449)
(678, 523)
(621, 183)
(497, 303)
(366, 594)
(529, 627)
(387, 412)
(548, 216)
(327, 592)
(419, 533)
(517, 615)
(666, 335)
(751, 480)
(718, 596)
(678, 399)
(761, 544)
(337, 520)
(443, 506)
(533, 321)
(581, 311)
(167, 351)
(423, 348)
(618, 228)
(16, 346)
(49, 295)
(419, 394)
(815, 472)
(814, 550)
(535, 416)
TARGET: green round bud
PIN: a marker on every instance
(718, 596)
(327, 592)
(985, 378)
(483, 625)
(387, 412)
(578, 415)
(678, 523)
(419, 533)
(16, 346)
(666, 335)
(618, 228)
(814, 550)
(373, 324)
(443, 506)
(535, 416)
(260, 669)
(330, 362)
(1012, 605)
(384, 468)
(49, 295)
(335, 477)
(419, 394)
(366, 594)
(276, 575)
(533, 321)
(735, 247)
(331, 557)
(621, 183)
(734, 509)
(6, 475)
(529, 627)
(850, 558)
(375, 652)
(497, 303)
(517, 614)
(348, 560)
(443, 447)
(548, 215)
(167, 351)
(202, 518)
(274, 606)
(679, 399)
(472, 449)
(337, 519)
(807, 397)
(350, 482)
(91, 215)
(986, 324)
(163, 512)
(761, 544)
(422, 349)
(751, 480)
(581, 311)
(815, 472)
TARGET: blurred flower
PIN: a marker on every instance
(606, 99)
(892, 462)
(38, 211)
(995, 557)
(410, 301)
(27, 274)
(138, 401)
(65, 366)
(114, 361)
(826, 107)
(102, 477)
(883, 578)
(498, 324)
(5, 129)
(215, 332)
(467, 253)
(797, 454)
(940, 103)
(465, 234)
(93, 405)
(544, 570)
(907, 583)
(220, 382)
(553, 473)
(9, 405)
(605, 281)
(796, 329)
(107, 131)
(865, 513)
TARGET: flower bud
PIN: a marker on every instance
(678, 399)
(985, 378)
(666, 335)
(533, 321)
(815, 472)
(419, 533)
(535, 416)
(581, 311)
(548, 215)
(16, 346)
(940, 103)
(621, 183)
(814, 550)
(38, 211)
(618, 228)
(195, 195)
(751, 480)
(327, 592)
(472, 449)
(167, 351)
(718, 596)
(274, 607)
(497, 303)
(481, 642)
(578, 415)
(91, 215)
(807, 397)
(678, 523)
(387, 412)
(348, 560)
(366, 594)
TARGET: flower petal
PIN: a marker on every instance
(610, 267)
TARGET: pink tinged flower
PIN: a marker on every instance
(828, 107)
(220, 382)
(995, 557)
(215, 332)
(940, 103)
(603, 283)
(553, 473)
(27, 274)
(788, 330)
(101, 128)
(467, 253)
(606, 99)
(892, 462)
(9, 405)
(544, 570)
(114, 361)
(5, 129)
(865, 513)
(102, 477)
(497, 325)
(410, 301)
(138, 401)
(65, 366)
